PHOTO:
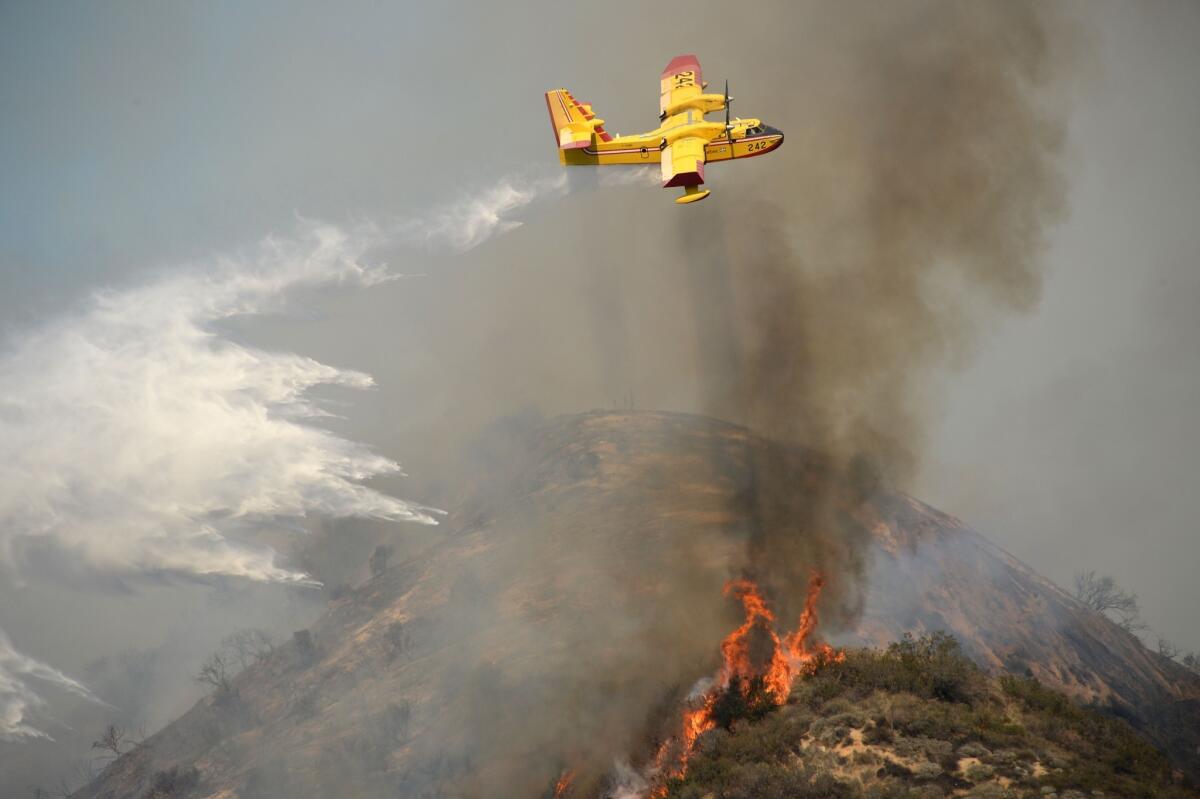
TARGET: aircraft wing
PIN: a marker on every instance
(683, 162)
(679, 81)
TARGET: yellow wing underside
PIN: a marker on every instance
(683, 162)
(683, 159)
(679, 83)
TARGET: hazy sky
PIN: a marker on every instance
(137, 137)
(1073, 440)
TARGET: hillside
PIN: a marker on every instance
(931, 572)
(574, 598)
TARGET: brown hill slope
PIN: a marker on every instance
(933, 573)
(574, 596)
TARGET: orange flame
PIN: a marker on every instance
(776, 672)
(801, 659)
(564, 783)
(786, 660)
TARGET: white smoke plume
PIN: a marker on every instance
(474, 218)
(134, 438)
(645, 176)
(17, 698)
(627, 783)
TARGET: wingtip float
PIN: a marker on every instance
(681, 145)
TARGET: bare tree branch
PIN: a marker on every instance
(247, 647)
(111, 743)
(1103, 595)
(1167, 649)
(214, 673)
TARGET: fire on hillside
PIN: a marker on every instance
(756, 676)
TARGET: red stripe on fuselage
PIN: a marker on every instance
(590, 151)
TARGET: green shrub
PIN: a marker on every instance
(927, 771)
(773, 738)
(978, 772)
(920, 699)
(1038, 698)
(1112, 757)
(815, 691)
(172, 781)
(878, 734)
(759, 781)
(931, 667)
(742, 700)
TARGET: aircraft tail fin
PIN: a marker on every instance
(575, 124)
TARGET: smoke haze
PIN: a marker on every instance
(821, 296)
(922, 175)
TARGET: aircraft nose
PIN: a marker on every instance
(774, 132)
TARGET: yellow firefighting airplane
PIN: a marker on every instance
(682, 144)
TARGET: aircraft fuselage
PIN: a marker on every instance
(644, 148)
